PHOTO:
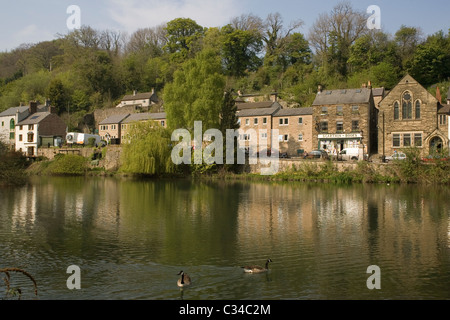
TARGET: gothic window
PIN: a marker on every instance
(11, 124)
(407, 106)
(396, 111)
(417, 109)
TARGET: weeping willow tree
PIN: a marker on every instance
(147, 150)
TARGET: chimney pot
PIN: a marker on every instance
(33, 107)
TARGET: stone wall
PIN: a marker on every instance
(340, 166)
(50, 153)
(112, 160)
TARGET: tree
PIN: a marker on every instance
(228, 114)
(430, 62)
(407, 40)
(240, 49)
(371, 49)
(196, 93)
(148, 41)
(276, 37)
(181, 34)
(58, 95)
(148, 151)
(333, 34)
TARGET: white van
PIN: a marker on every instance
(349, 154)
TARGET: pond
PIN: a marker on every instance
(130, 239)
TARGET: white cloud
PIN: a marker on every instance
(135, 14)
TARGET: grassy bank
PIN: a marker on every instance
(406, 172)
(410, 171)
(61, 165)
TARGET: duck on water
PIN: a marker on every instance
(256, 268)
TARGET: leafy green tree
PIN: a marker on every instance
(407, 40)
(240, 50)
(431, 60)
(181, 35)
(196, 93)
(334, 33)
(148, 150)
(58, 95)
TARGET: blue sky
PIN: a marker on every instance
(31, 21)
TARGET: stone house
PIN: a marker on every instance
(39, 129)
(8, 120)
(410, 116)
(256, 126)
(344, 118)
(126, 124)
(295, 128)
(141, 101)
(110, 129)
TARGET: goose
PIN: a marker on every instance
(257, 269)
(184, 280)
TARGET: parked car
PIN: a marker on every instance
(316, 154)
(284, 155)
(349, 154)
(396, 156)
(265, 153)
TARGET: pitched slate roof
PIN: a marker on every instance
(158, 116)
(13, 111)
(144, 116)
(115, 119)
(444, 109)
(34, 118)
(257, 105)
(141, 96)
(258, 112)
(342, 96)
(378, 92)
(294, 112)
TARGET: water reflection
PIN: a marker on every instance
(322, 236)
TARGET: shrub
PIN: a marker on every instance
(72, 165)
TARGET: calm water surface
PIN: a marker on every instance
(131, 238)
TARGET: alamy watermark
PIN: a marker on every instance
(74, 20)
(374, 281)
(374, 21)
(74, 281)
(247, 144)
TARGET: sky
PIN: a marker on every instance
(31, 21)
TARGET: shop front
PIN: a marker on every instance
(338, 142)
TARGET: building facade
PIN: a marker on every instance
(39, 129)
(110, 129)
(410, 116)
(126, 124)
(139, 100)
(294, 127)
(256, 127)
(344, 119)
(8, 120)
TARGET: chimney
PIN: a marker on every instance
(319, 89)
(364, 85)
(134, 92)
(33, 107)
(369, 84)
(153, 90)
(438, 95)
